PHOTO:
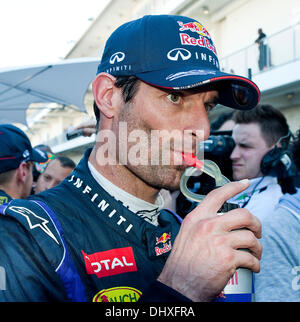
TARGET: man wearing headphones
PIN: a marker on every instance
(261, 137)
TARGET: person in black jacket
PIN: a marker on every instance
(102, 234)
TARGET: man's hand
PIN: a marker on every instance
(206, 251)
(88, 128)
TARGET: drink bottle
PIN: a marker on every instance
(240, 286)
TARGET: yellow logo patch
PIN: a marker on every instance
(3, 200)
(118, 294)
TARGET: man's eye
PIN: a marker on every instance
(209, 107)
(174, 98)
(244, 146)
(47, 178)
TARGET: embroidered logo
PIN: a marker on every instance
(111, 262)
(34, 221)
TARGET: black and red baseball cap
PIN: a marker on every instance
(174, 52)
(15, 147)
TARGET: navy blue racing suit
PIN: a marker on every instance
(75, 242)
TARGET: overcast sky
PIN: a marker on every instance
(42, 31)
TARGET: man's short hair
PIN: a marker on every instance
(272, 123)
(6, 177)
(65, 162)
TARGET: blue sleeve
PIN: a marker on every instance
(26, 274)
(30, 251)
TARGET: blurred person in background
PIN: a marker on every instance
(279, 277)
(263, 49)
(223, 122)
(261, 137)
(88, 127)
(39, 167)
(16, 163)
(56, 171)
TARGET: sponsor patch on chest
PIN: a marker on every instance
(111, 262)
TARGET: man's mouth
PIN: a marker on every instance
(191, 160)
(236, 165)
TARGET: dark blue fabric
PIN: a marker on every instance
(67, 271)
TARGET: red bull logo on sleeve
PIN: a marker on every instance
(163, 238)
(167, 246)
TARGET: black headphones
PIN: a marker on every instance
(277, 162)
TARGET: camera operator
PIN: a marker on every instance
(261, 138)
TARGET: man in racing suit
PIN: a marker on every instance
(122, 250)
(85, 239)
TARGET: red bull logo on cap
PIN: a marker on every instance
(204, 40)
(194, 27)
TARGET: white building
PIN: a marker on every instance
(233, 25)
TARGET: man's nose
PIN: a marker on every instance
(201, 127)
(235, 154)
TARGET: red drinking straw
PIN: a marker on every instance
(192, 160)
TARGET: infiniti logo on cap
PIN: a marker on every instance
(175, 53)
(119, 56)
(26, 154)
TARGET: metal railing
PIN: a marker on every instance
(278, 49)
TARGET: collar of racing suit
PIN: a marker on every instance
(142, 208)
(158, 239)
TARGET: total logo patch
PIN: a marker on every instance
(118, 294)
(110, 262)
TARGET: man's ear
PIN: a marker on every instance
(22, 172)
(103, 90)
